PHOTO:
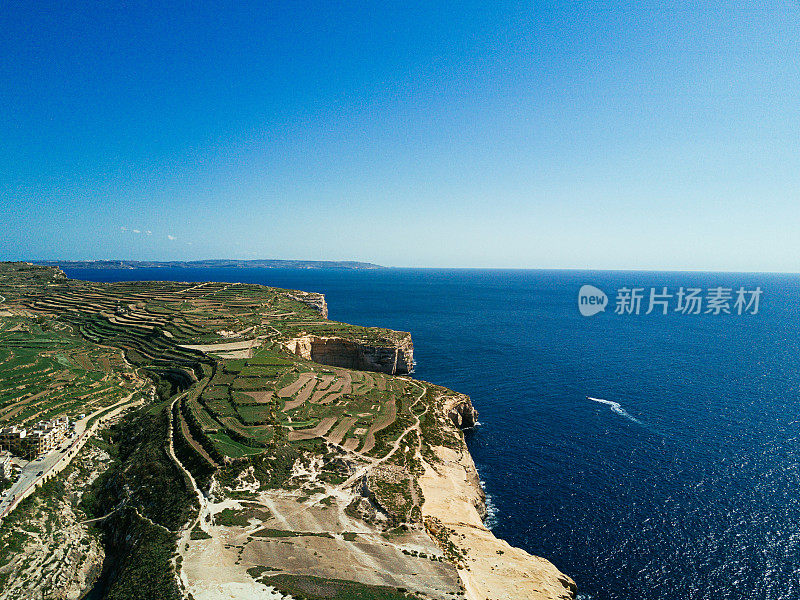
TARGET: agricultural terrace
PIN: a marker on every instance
(276, 395)
(46, 371)
(69, 343)
(157, 315)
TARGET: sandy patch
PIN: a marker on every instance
(227, 347)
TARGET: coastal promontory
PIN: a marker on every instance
(228, 440)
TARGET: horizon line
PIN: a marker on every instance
(461, 268)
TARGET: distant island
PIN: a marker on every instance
(208, 264)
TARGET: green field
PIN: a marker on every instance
(69, 346)
(46, 371)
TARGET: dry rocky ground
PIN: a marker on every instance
(59, 557)
(250, 534)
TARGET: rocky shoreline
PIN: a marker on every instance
(454, 512)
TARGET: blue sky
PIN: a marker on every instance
(475, 134)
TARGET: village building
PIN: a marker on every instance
(5, 465)
(43, 437)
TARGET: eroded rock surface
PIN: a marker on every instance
(394, 359)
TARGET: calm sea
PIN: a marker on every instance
(687, 488)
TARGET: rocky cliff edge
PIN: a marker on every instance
(454, 510)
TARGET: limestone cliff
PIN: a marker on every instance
(459, 409)
(393, 358)
(454, 510)
(312, 299)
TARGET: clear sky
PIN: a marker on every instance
(658, 135)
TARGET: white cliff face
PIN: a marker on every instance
(459, 409)
(312, 299)
(339, 352)
(453, 512)
(454, 509)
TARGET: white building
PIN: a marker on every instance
(44, 436)
(5, 465)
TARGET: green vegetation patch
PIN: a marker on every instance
(229, 447)
(258, 571)
(230, 517)
(199, 534)
(268, 532)
(318, 588)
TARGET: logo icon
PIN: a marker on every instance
(591, 300)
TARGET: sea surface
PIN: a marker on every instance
(680, 480)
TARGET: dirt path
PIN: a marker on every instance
(105, 516)
(377, 461)
(193, 442)
(202, 514)
(200, 497)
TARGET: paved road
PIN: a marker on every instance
(39, 469)
(33, 472)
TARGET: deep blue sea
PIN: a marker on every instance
(688, 489)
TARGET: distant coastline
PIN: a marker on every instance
(209, 264)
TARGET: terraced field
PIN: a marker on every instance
(46, 371)
(278, 394)
(70, 345)
(283, 451)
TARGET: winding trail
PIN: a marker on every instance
(373, 462)
(203, 512)
(105, 516)
(171, 451)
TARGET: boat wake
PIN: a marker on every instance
(616, 408)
